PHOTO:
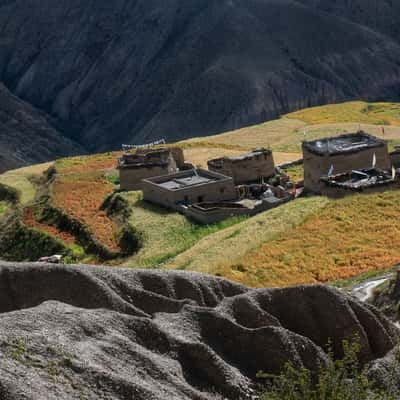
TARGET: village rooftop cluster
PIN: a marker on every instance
(251, 183)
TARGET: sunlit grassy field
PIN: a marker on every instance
(90, 163)
(285, 135)
(20, 179)
(165, 233)
(348, 237)
(307, 241)
(229, 246)
(355, 111)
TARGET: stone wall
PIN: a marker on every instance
(131, 178)
(177, 154)
(247, 169)
(395, 158)
(149, 163)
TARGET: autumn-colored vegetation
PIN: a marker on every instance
(348, 237)
(86, 164)
(29, 219)
(81, 196)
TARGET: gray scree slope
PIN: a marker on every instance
(73, 332)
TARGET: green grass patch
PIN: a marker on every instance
(22, 183)
(165, 233)
(342, 379)
(3, 208)
(296, 173)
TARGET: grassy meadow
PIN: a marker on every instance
(21, 179)
(346, 238)
(223, 251)
(355, 111)
(165, 233)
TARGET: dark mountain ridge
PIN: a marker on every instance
(134, 71)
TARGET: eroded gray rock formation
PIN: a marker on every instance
(69, 332)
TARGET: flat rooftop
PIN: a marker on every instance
(180, 183)
(349, 143)
(242, 157)
(187, 179)
(251, 154)
(143, 158)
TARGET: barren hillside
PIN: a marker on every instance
(93, 332)
(27, 135)
(112, 72)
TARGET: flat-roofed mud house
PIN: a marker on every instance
(341, 154)
(134, 167)
(250, 167)
(188, 187)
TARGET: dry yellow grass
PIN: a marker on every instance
(89, 163)
(348, 237)
(285, 135)
(228, 246)
(199, 155)
(307, 241)
(269, 134)
(354, 111)
(20, 179)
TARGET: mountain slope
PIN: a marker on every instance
(121, 71)
(93, 332)
(27, 136)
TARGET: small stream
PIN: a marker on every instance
(365, 290)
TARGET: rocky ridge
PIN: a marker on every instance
(72, 332)
(28, 136)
